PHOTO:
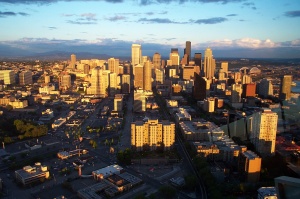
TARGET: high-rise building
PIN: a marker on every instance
(47, 79)
(139, 103)
(209, 64)
(156, 61)
(249, 166)
(249, 90)
(286, 87)
(65, 81)
(209, 105)
(125, 83)
(7, 76)
(113, 65)
(188, 72)
(263, 135)
(136, 55)
(246, 79)
(97, 86)
(224, 67)
(198, 59)
(86, 69)
(113, 86)
(152, 135)
(175, 59)
(25, 78)
(118, 102)
(188, 49)
(106, 81)
(139, 76)
(159, 76)
(201, 87)
(147, 76)
(265, 88)
(236, 93)
(73, 61)
(185, 60)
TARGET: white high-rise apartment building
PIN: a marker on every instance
(113, 65)
(136, 55)
(7, 76)
(152, 134)
(209, 64)
(113, 84)
(263, 135)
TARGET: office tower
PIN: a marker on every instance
(201, 87)
(126, 68)
(219, 103)
(246, 79)
(237, 77)
(221, 75)
(176, 90)
(209, 64)
(139, 101)
(265, 88)
(198, 59)
(236, 93)
(121, 70)
(249, 90)
(188, 50)
(106, 81)
(139, 76)
(113, 65)
(263, 135)
(209, 105)
(112, 84)
(224, 67)
(249, 166)
(172, 72)
(152, 135)
(96, 87)
(118, 102)
(147, 76)
(285, 87)
(136, 55)
(188, 72)
(25, 78)
(185, 61)
(86, 69)
(73, 61)
(65, 81)
(163, 64)
(156, 61)
(175, 59)
(125, 83)
(144, 59)
(7, 76)
(160, 76)
(174, 50)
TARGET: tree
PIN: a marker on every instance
(7, 140)
(167, 191)
(9, 107)
(95, 145)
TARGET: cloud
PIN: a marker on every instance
(116, 18)
(295, 13)
(231, 15)
(249, 5)
(82, 19)
(148, 2)
(157, 20)
(149, 13)
(213, 20)
(52, 28)
(9, 14)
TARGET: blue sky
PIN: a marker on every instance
(234, 28)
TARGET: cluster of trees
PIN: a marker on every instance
(124, 156)
(93, 143)
(29, 130)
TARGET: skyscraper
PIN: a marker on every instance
(113, 65)
(139, 76)
(25, 77)
(188, 50)
(209, 64)
(147, 76)
(263, 135)
(201, 87)
(285, 87)
(7, 76)
(156, 61)
(136, 55)
(65, 81)
(73, 61)
(224, 66)
(265, 88)
(125, 83)
(175, 59)
(197, 59)
(96, 87)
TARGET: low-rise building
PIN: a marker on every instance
(266, 193)
(32, 174)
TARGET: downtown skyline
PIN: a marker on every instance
(231, 28)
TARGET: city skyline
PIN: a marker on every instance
(232, 28)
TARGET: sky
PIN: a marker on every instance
(231, 28)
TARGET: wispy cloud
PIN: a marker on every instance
(231, 15)
(295, 13)
(157, 20)
(213, 20)
(10, 14)
(249, 5)
(116, 18)
(82, 19)
(52, 28)
(149, 2)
